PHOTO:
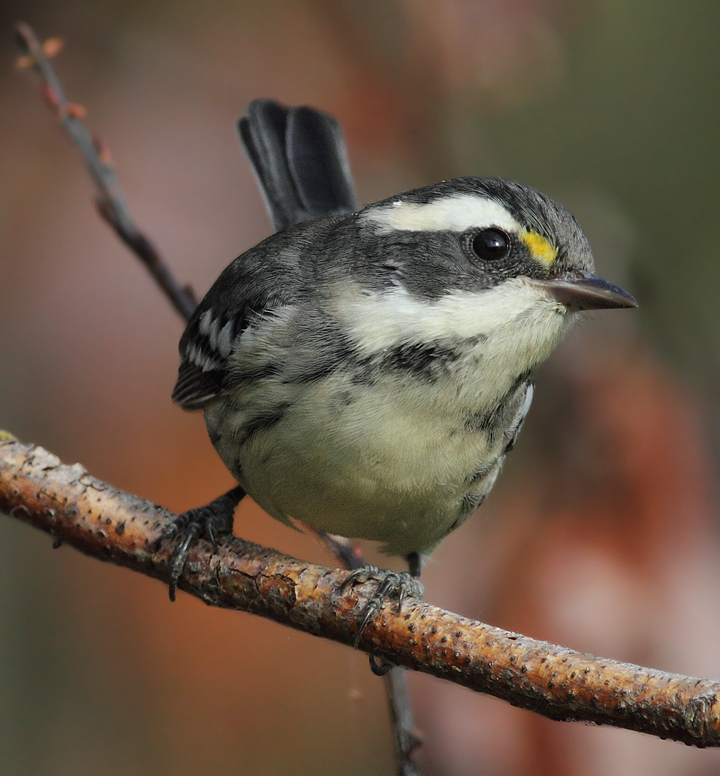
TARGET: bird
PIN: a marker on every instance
(366, 370)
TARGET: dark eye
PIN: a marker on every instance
(490, 244)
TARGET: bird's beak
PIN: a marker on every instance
(583, 291)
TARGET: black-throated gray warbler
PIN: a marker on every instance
(367, 371)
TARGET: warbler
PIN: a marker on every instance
(367, 370)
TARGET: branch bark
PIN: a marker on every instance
(121, 528)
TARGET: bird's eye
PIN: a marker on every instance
(490, 244)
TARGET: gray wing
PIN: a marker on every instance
(300, 161)
(299, 158)
(209, 336)
(259, 281)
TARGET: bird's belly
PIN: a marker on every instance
(387, 464)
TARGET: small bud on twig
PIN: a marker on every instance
(74, 110)
(52, 47)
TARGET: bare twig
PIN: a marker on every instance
(110, 200)
(554, 681)
(406, 738)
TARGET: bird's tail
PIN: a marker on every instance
(300, 160)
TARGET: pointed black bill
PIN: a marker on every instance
(583, 291)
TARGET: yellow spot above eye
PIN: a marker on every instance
(541, 249)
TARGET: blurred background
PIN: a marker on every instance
(602, 533)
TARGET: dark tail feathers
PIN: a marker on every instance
(300, 160)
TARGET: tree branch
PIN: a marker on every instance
(115, 526)
(554, 681)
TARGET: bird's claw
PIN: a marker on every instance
(392, 586)
(207, 522)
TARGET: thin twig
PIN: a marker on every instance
(406, 739)
(554, 681)
(110, 200)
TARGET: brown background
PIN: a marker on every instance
(602, 533)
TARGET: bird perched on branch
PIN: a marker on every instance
(366, 371)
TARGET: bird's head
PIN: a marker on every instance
(477, 233)
(469, 259)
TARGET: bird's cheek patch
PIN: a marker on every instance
(541, 249)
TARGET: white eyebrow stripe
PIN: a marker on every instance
(455, 213)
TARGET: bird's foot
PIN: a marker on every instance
(212, 521)
(391, 586)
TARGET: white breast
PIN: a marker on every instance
(385, 466)
(394, 460)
